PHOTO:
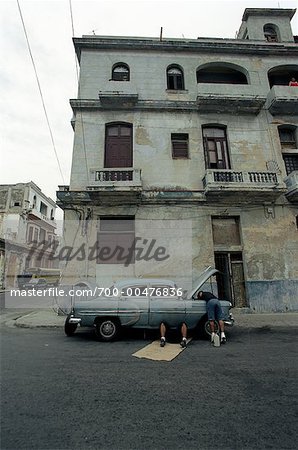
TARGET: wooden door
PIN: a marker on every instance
(118, 147)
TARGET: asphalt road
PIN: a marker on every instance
(78, 393)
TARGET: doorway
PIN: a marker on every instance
(230, 280)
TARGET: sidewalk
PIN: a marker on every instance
(48, 318)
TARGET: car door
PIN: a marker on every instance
(195, 310)
(165, 306)
(134, 306)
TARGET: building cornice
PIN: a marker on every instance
(200, 45)
(252, 105)
(268, 12)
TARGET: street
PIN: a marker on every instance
(78, 393)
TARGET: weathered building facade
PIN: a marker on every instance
(199, 132)
(27, 219)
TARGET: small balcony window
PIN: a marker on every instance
(287, 138)
(179, 145)
(175, 79)
(120, 72)
(270, 33)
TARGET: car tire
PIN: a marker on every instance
(204, 327)
(69, 328)
(107, 329)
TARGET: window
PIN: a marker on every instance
(42, 235)
(220, 73)
(179, 145)
(216, 148)
(281, 75)
(43, 208)
(270, 33)
(33, 234)
(175, 79)
(120, 72)
(287, 137)
(291, 163)
(116, 240)
(135, 291)
(30, 235)
(118, 145)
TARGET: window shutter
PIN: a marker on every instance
(179, 145)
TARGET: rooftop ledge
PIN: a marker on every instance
(222, 45)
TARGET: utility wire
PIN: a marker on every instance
(79, 95)
(40, 91)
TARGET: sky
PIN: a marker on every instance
(28, 151)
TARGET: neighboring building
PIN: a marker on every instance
(27, 218)
(203, 131)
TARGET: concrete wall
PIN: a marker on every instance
(268, 237)
(268, 244)
(252, 142)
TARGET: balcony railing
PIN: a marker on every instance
(116, 177)
(230, 176)
(230, 98)
(282, 100)
(119, 98)
(264, 185)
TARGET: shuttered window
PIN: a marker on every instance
(115, 240)
(179, 145)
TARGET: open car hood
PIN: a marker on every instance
(207, 273)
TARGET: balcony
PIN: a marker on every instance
(117, 178)
(242, 186)
(230, 98)
(34, 214)
(107, 187)
(115, 186)
(282, 100)
(118, 94)
(292, 186)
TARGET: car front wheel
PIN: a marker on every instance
(69, 328)
(107, 329)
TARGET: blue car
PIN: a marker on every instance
(142, 303)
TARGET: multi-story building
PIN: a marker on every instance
(197, 138)
(27, 220)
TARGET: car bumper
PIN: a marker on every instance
(74, 320)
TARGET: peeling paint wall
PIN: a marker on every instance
(268, 229)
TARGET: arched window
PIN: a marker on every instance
(120, 72)
(271, 33)
(118, 145)
(221, 73)
(282, 75)
(216, 147)
(175, 78)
